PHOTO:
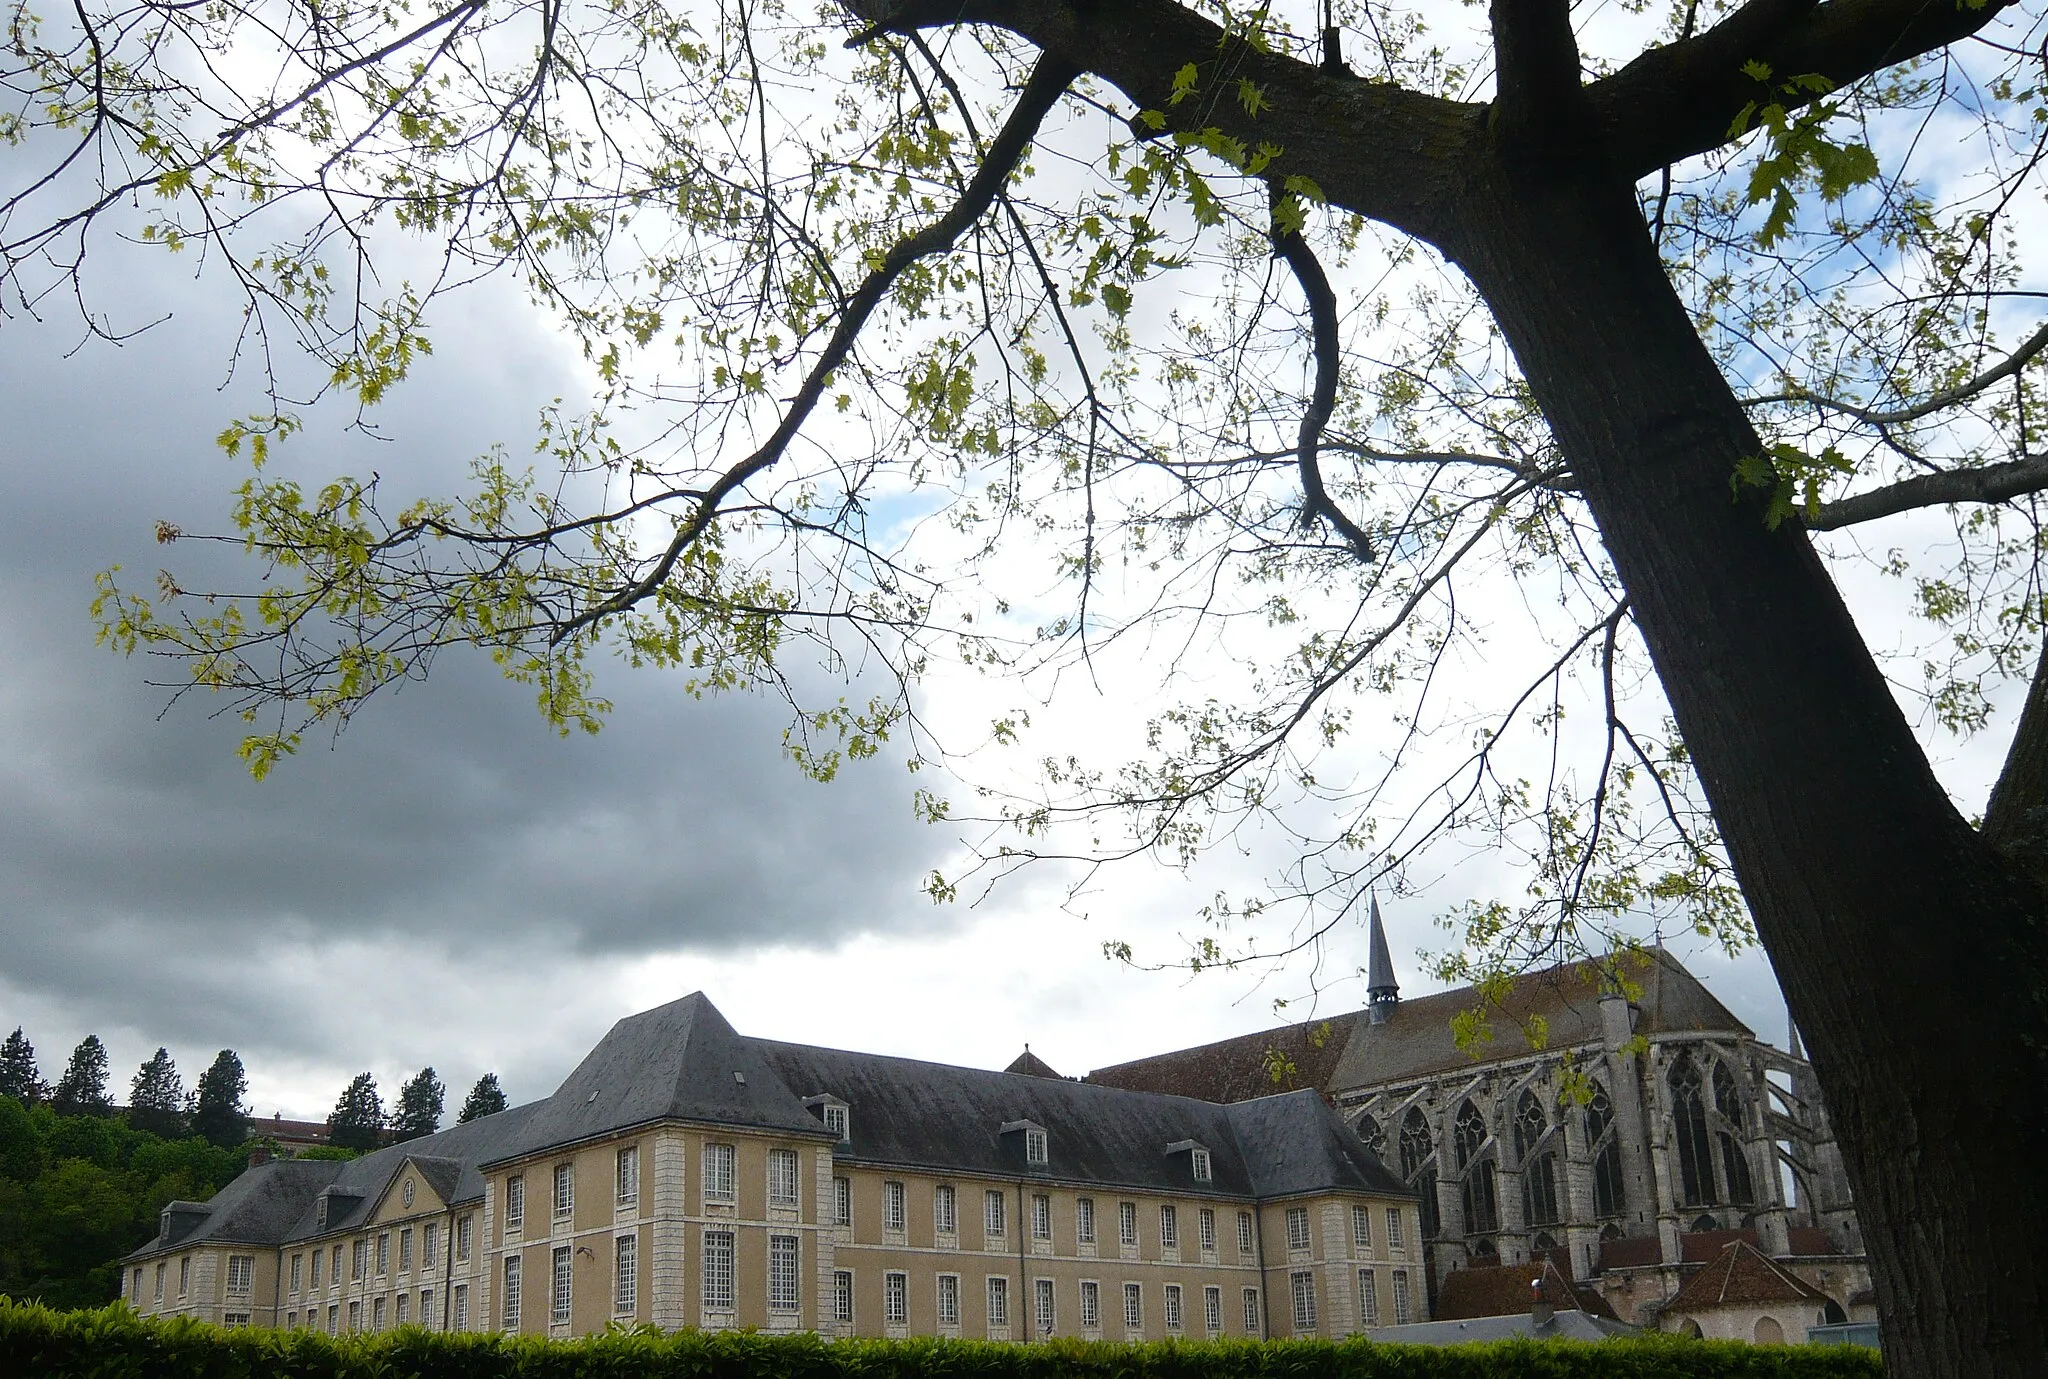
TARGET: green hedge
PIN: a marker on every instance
(114, 1343)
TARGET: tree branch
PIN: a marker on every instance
(2016, 818)
(1993, 483)
(1679, 100)
(1928, 406)
(1536, 64)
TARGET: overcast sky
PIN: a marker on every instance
(454, 885)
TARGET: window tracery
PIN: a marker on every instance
(1482, 1214)
(1608, 1197)
(1417, 1166)
(1539, 1166)
(1689, 1120)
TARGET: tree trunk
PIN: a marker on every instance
(1914, 961)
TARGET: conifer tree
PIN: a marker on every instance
(156, 1097)
(358, 1118)
(487, 1098)
(419, 1106)
(19, 1076)
(83, 1088)
(219, 1113)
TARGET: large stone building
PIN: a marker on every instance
(685, 1175)
(1691, 1131)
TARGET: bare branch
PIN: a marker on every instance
(1928, 406)
(1994, 483)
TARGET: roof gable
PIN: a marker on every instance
(1742, 1276)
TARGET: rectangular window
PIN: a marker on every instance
(355, 1316)
(515, 1201)
(405, 1250)
(1084, 1220)
(465, 1233)
(1394, 1241)
(1244, 1233)
(835, 1121)
(949, 1299)
(625, 1274)
(298, 1263)
(1212, 1310)
(1041, 1216)
(1297, 1228)
(1042, 1300)
(1169, 1226)
(1361, 1228)
(565, 1189)
(1173, 1314)
(462, 1307)
(1199, 1160)
(1034, 1146)
(430, 1246)
(718, 1172)
(358, 1260)
(1205, 1221)
(842, 1294)
(402, 1310)
(718, 1271)
(945, 1209)
(1091, 1305)
(1304, 1286)
(1127, 1223)
(291, 1320)
(427, 1308)
(896, 1299)
(992, 1220)
(231, 1320)
(160, 1281)
(1134, 1307)
(334, 1273)
(565, 1276)
(1251, 1311)
(383, 1253)
(626, 1182)
(376, 1314)
(314, 1271)
(241, 1275)
(1402, 1316)
(184, 1276)
(333, 1319)
(895, 1215)
(1368, 1298)
(842, 1201)
(998, 1300)
(782, 1272)
(782, 1178)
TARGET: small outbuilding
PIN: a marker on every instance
(1745, 1295)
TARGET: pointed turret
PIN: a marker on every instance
(1382, 992)
(1792, 1038)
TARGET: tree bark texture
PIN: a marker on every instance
(1913, 958)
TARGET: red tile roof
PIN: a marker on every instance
(1501, 1290)
(1742, 1275)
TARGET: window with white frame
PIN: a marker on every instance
(355, 1316)
(333, 1318)
(625, 1273)
(461, 1307)
(564, 1277)
(465, 1236)
(298, 1267)
(1205, 1223)
(842, 1201)
(1134, 1307)
(1212, 1310)
(358, 1261)
(1169, 1226)
(718, 1295)
(509, 1312)
(895, 1212)
(1041, 1216)
(1042, 1304)
(1084, 1220)
(427, 1308)
(782, 1178)
(626, 1179)
(334, 1274)
(993, 1221)
(1368, 1298)
(835, 1121)
(1091, 1305)
(783, 1295)
(1244, 1233)
(241, 1275)
(515, 1201)
(945, 1209)
(1172, 1309)
(377, 1314)
(1199, 1161)
(401, 1310)
(842, 1295)
(1394, 1241)
(185, 1273)
(998, 1300)
(314, 1283)
(1297, 1228)
(1127, 1223)
(232, 1320)
(565, 1189)
(896, 1299)
(160, 1282)
(949, 1299)
(1251, 1311)
(383, 1253)
(1361, 1228)
(405, 1250)
(430, 1246)
(1303, 1283)
(1402, 1314)
(1034, 1146)
(718, 1172)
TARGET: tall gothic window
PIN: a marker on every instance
(1734, 1163)
(1417, 1167)
(1539, 1168)
(1468, 1133)
(1689, 1118)
(1608, 1197)
(1375, 1138)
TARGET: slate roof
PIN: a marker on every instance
(258, 1207)
(1415, 1042)
(1499, 1289)
(1030, 1064)
(1742, 1276)
(1566, 1325)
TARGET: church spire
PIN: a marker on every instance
(1382, 992)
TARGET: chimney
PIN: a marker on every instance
(1540, 1311)
(259, 1155)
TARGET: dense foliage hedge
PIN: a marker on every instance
(113, 1343)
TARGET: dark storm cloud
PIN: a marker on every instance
(132, 847)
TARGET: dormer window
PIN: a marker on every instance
(319, 1215)
(1199, 1161)
(832, 1111)
(835, 1121)
(1199, 1167)
(1034, 1146)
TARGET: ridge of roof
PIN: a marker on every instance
(1741, 1274)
